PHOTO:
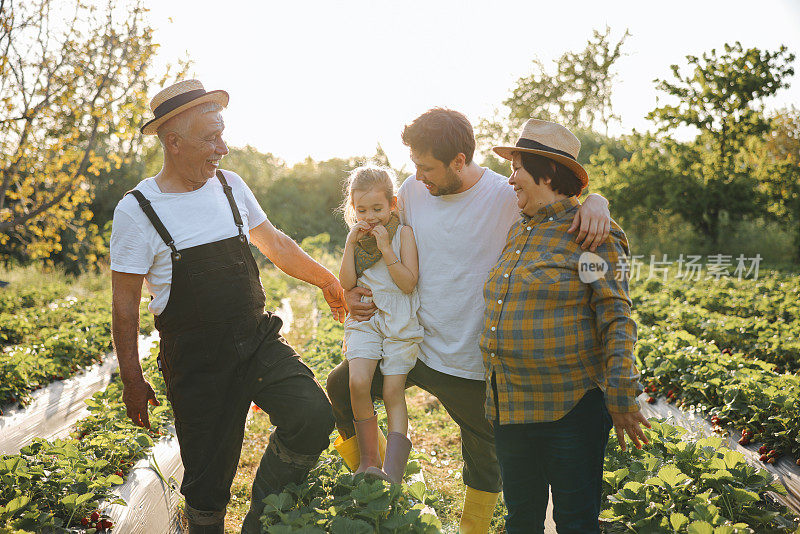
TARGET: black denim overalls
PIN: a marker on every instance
(219, 352)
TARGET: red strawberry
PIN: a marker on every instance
(744, 441)
(764, 458)
(646, 390)
(99, 526)
(762, 449)
(95, 516)
(771, 461)
(106, 523)
(651, 400)
(773, 452)
(671, 392)
(120, 473)
(85, 521)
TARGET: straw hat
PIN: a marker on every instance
(180, 97)
(550, 140)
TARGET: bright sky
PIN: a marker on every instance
(335, 78)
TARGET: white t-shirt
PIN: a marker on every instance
(193, 218)
(460, 238)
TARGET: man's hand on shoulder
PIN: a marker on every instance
(594, 220)
(360, 311)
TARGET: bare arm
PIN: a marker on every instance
(126, 293)
(406, 271)
(347, 272)
(291, 259)
(594, 220)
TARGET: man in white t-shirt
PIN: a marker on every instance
(186, 232)
(461, 214)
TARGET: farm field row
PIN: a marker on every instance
(771, 335)
(55, 342)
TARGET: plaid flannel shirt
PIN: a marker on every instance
(548, 337)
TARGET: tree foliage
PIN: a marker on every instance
(73, 86)
(576, 93)
(721, 95)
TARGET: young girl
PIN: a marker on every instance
(380, 254)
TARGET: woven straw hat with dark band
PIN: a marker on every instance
(180, 97)
(550, 140)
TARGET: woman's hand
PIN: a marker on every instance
(334, 296)
(594, 221)
(382, 237)
(629, 423)
(359, 230)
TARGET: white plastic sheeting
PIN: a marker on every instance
(785, 471)
(56, 407)
(152, 504)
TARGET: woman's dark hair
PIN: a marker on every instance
(562, 179)
(442, 132)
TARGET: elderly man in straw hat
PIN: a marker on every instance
(186, 233)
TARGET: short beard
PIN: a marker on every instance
(453, 184)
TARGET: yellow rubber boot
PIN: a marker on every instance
(478, 510)
(348, 450)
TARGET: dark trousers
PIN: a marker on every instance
(565, 456)
(464, 401)
(212, 377)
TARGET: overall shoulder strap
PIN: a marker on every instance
(237, 218)
(148, 210)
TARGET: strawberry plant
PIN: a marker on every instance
(739, 393)
(334, 500)
(57, 484)
(676, 484)
(67, 339)
(13, 297)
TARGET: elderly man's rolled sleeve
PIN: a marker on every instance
(616, 328)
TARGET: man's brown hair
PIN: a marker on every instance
(442, 132)
(562, 179)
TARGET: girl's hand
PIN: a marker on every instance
(359, 230)
(382, 237)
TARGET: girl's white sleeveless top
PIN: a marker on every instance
(398, 307)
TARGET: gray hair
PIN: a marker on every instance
(181, 122)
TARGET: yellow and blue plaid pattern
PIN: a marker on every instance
(549, 337)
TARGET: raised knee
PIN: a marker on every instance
(360, 383)
(318, 419)
(338, 383)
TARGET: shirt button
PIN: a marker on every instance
(549, 218)
(517, 251)
(528, 228)
(493, 329)
(493, 355)
(500, 301)
(505, 275)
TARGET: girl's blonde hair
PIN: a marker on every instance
(366, 178)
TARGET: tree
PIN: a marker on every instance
(576, 94)
(73, 85)
(721, 96)
(776, 159)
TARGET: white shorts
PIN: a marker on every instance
(397, 350)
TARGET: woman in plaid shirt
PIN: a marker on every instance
(557, 343)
